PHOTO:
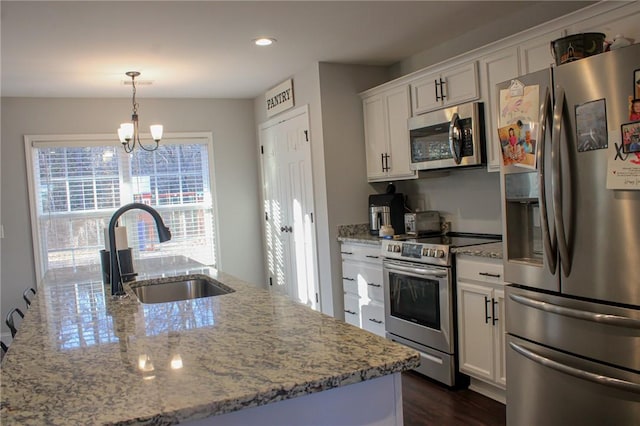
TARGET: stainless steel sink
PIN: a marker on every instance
(179, 288)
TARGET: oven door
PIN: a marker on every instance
(418, 303)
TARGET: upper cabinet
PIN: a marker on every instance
(448, 87)
(473, 76)
(387, 135)
(495, 68)
(535, 53)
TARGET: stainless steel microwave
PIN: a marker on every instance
(448, 138)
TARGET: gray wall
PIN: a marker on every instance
(468, 198)
(345, 158)
(235, 168)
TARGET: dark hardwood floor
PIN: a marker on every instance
(426, 402)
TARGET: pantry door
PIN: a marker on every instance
(290, 235)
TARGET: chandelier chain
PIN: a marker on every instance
(135, 104)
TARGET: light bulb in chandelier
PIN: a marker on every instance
(129, 134)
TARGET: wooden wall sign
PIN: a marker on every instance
(280, 98)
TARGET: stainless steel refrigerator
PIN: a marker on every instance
(572, 246)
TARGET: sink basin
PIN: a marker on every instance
(178, 288)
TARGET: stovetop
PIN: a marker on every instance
(435, 249)
(456, 240)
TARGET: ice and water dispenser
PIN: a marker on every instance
(522, 211)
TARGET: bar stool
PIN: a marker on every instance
(27, 295)
(10, 321)
(4, 348)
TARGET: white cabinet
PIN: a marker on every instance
(481, 324)
(448, 87)
(495, 68)
(362, 285)
(387, 135)
(535, 53)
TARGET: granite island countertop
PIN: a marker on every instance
(82, 358)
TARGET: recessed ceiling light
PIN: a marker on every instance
(264, 41)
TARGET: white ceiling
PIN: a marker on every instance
(204, 49)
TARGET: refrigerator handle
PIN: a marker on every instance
(600, 318)
(600, 379)
(549, 245)
(556, 181)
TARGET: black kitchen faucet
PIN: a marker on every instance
(164, 234)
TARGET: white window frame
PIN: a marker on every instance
(81, 140)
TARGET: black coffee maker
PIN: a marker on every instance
(386, 209)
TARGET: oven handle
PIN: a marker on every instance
(415, 270)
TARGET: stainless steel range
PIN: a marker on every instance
(420, 306)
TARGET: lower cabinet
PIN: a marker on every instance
(362, 285)
(481, 322)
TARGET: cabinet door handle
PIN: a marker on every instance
(375, 320)
(384, 158)
(348, 279)
(489, 274)
(436, 87)
(349, 312)
(493, 311)
(346, 252)
(374, 285)
(442, 95)
(486, 310)
(372, 257)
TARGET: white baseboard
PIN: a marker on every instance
(488, 390)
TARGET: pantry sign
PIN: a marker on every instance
(280, 98)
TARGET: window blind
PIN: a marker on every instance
(78, 186)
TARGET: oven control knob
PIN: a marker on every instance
(396, 248)
(425, 252)
(438, 253)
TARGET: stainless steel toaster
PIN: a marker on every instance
(420, 223)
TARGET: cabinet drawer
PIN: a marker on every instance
(373, 318)
(482, 269)
(362, 252)
(363, 279)
(352, 309)
(374, 285)
(350, 273)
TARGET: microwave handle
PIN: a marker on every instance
(455, 143)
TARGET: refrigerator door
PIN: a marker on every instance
(557, 389)
(601, 332)
(570, 362)
(530, 256)
(598, 237)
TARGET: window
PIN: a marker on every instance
(77, 183)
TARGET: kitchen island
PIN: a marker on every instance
(247, 357)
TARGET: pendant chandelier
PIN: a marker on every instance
(128, 132)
